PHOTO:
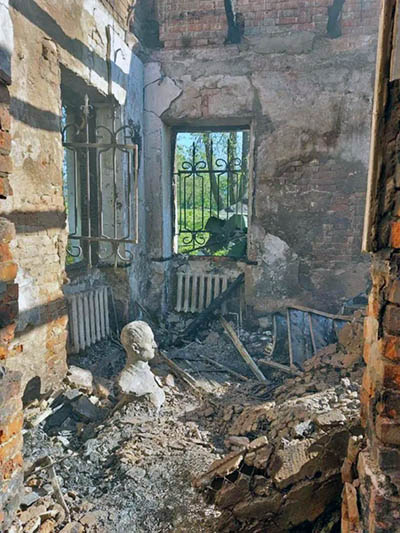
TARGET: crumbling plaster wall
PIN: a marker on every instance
(67, 44)
(11, 416)
(307, 99)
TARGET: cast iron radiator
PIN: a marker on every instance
(196, 290)
(88, 318)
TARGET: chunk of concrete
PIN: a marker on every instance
(80, 378)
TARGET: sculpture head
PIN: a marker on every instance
(138, 340)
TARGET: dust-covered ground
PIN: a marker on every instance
(130, 469)
(95, 465)
(134, 472)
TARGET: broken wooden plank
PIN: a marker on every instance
(283, 368)
(314, 345)
(57, 489)
(224, 367)
(41, 418)
(202, 319)
(289, 329)
(43, 464)
(47, 463)
(242, 351)
(179, 372)
(345, 318)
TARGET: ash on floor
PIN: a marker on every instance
(132, 472)
(132, 469)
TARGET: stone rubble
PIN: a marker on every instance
(128, 470)
(284, 471)
(80, 378)
(132, 468)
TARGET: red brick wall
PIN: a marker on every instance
(186, 23)
(374, 506)
(11, 416)
(379, 464)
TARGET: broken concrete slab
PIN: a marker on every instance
(80, 378)
(294, 463)
(220, 468)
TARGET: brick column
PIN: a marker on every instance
(371, 498)
(11, 415)
(378, 463)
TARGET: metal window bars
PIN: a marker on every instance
(215, 188)
(101, 182)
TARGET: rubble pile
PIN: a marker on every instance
(116, 470)
(94, 464)
(284, 470)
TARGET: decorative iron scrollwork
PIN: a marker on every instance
(101, 184)
(210, 191)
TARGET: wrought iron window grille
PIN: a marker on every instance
(101, 187)
(210, 192)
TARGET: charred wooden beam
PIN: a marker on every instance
(242, 351)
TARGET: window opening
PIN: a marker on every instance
(211, 183)
(99, 183)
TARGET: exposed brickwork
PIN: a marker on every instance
(144, 23)
(11, 417)
(37, 209)
(186, 23)
(309, 114)
(376, 505)
(8, 268)
(379, 462)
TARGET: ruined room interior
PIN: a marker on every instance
(200, 266)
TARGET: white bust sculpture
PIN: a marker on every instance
(136, 378)
(138, 340)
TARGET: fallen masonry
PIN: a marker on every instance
(284, 472)
(276, 449)
(128, 469)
